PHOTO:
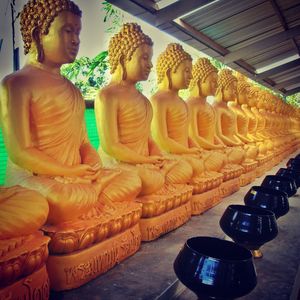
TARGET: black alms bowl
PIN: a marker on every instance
(263, 197)
(290, 173)
(294, 163)
(282, 183)
(215, 269)
(249, 226)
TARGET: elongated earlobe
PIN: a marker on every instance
(124, 72)
(39, 46)
(168, 73)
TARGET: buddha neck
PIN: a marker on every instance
(219, 99)
(244, 106)
(49, 67)
(165, 86)
(196, 93)
(118, 78)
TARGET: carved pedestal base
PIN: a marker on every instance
(229, 187)
(152, 228)
(260, 170)
(247, 178)
(202, 202)
(31, 287)
(73, 270)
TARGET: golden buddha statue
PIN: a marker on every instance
(242, 119)
(123, 116)
(23, 249)
(252, 124)
(258, 108)
(45, 136)
(170, 120)
(202, 116)
(227, 122)
(278, 130)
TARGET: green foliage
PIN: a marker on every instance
(88, 74)
(113, 18)
(294, 100)
(217, 64)
(139, 87)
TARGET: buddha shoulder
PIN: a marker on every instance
(114, 92)
(16, 81)
(161, 98)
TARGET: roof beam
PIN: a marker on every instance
(293, 91)
(283, 21)
(133, 6)
(178, 9)
(199, 36)
(262, 44)
(279, 69)
(288, 82)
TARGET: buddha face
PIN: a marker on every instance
(229, 92)
(181, 78)
(252, 99)
(243, 96)
(61, 44)
(139, 66)
(261, 102)
(209, 86)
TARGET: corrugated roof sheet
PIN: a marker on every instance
(247, 35)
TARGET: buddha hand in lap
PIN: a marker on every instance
(226, 120)
(123, 116)
(43, 121)
(202, 117)
(170, 120)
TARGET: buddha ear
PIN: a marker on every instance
(37, 40)
(168, 74)
(199, 86)
(123, 68)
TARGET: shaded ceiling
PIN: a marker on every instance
(260, 38)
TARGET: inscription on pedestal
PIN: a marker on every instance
(152, 228)
(73, 270)
(229, 187)
(33, 287)
(104, 261)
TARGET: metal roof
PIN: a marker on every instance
(260, 38)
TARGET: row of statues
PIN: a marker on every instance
(157, 157)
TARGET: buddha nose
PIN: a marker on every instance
(75, 39)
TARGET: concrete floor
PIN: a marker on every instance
(149, 273)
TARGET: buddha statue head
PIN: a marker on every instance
(243, 88)
(130, 53)
(174, 68)
(269, 97)
(227, 85)
(204, 78)
(253, 95)
(279, 107)
(262, 100)
(50, 30)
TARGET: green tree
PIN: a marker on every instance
(294, 100)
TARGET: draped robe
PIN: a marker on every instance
(57, 128)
